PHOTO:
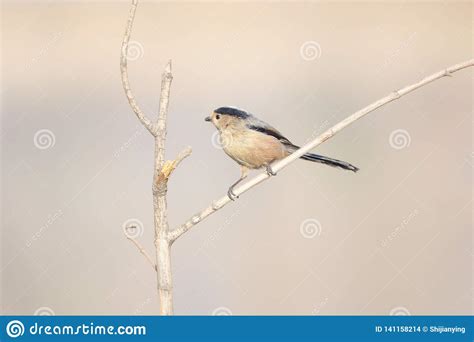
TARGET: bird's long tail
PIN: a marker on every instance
(324, 160)
(329, 161)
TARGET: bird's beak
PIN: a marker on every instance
(208, 118)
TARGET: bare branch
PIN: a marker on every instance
(160, 187)
(170, 165)
(161, 173)
(186, 152)
(142, 250)
(147, 123)
(160, 129)
(176, 233)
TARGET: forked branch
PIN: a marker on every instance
(162, 172)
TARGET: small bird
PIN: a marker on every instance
(254, 144)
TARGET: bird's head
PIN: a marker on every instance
(224, 117)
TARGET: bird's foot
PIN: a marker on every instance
(231, 194)
(270, 171)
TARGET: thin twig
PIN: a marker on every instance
(186, 152)
(146, 122)
(142, 250)
(218, 204)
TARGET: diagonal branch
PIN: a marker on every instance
(146, 122)
(395, 95)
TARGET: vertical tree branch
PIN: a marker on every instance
(162, 172)
(160, 187)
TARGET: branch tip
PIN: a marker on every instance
(167, 74)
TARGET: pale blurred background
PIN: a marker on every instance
(395, 238)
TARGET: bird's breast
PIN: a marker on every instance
(251, 148)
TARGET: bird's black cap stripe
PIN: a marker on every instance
(233, 112)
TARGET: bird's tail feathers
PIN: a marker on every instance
(328, 161)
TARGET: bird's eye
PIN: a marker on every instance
(218, 116)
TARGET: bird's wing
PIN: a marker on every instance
(262, 127)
